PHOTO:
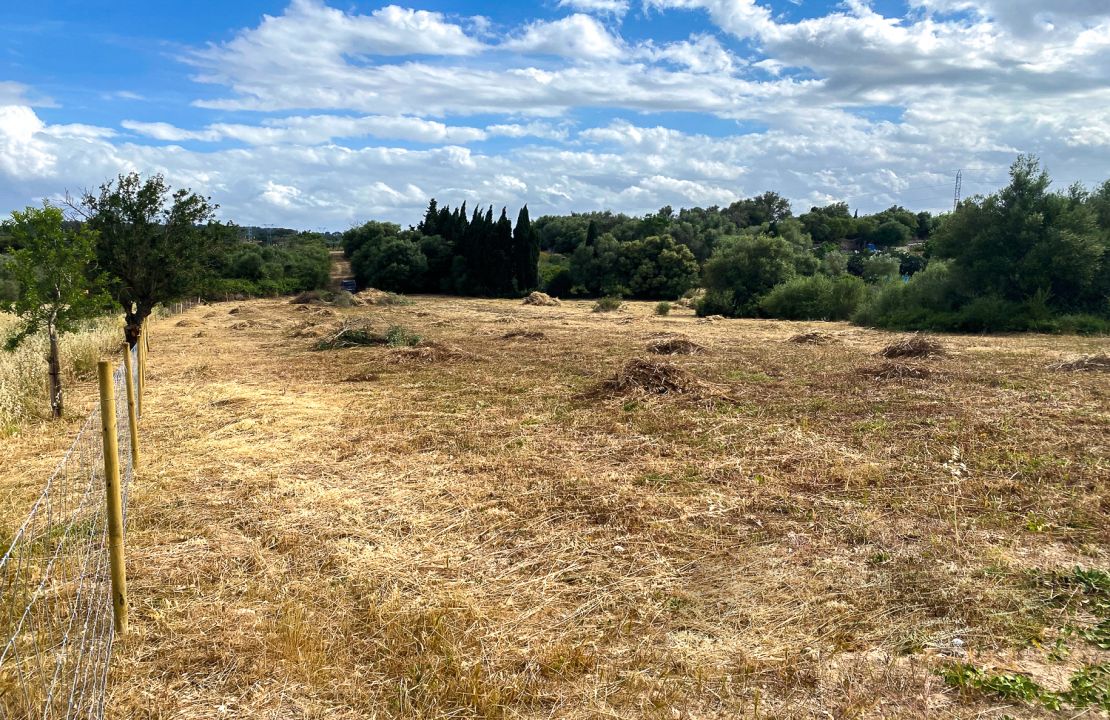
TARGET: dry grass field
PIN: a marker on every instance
(512, 520)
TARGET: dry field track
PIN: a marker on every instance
(485, 528)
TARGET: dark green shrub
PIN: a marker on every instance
(663, 308)
(815, 298)
(608, 304)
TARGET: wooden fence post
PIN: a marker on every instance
(115, 502)
(132, 410)
(142, 365)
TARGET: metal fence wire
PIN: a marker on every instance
(56, 625)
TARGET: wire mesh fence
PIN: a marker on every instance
(56, 622)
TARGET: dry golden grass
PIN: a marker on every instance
(485, 535)
(23, 393)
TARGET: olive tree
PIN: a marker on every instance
(152, 242)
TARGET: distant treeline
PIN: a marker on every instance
(228, 263)
(1025, 258)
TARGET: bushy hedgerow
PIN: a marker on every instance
(815, 298)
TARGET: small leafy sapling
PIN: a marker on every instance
(55, 290)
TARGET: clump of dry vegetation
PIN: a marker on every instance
(426, 352)
(652, 377)
(351, 334)
(812, 337)
(895, 371)
(524, 335)
(308, 297)
(1086, 363)
(675, 346)
(541, 299)
(373, 296)
(915, 346)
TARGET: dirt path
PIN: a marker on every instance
(340, 269)
(476, 532)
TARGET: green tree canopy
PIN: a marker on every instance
(1026, 240)
(743, 268)
(54, 293)
(151, 242)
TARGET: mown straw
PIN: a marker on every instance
(485, 538)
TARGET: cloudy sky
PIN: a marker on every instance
(322, 113)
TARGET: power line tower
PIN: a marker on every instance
(959, 187)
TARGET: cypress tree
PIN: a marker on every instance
(592, 233)
(503, 266)
(526, 253)
(443, 222)
(429, 225)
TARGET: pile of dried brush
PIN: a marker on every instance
(812, 338)
(1086, 363)
(523, 335)
(675, 346)
(916, 345)
(895, 371)
(350, 335)
(308, 297)
(540, 298)
(652, 377)
(426, 352)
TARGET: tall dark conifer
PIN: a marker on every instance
(503, 261)
(526, 253)
(592, 233)
(429, 225)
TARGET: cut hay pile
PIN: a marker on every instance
(185, 322)
(812, 338)
(311, 329)
(307, 297)
(711, 318)
(916, 345)
(675, 346)
(652, 377)
(1086, 363)
(350, 335)
(426, 352)
(540, 298)
(371, 296)
(523, 335)
(895, 371)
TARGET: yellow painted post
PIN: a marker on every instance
(115, 502)
(132, 414)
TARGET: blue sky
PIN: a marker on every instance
(309, 113)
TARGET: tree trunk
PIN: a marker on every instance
(55, 373)
(133, 323)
